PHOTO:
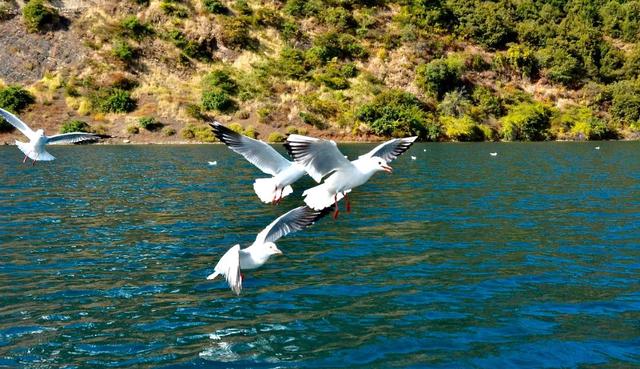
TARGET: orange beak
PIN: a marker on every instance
(387, 168)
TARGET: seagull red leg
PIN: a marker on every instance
(335, 201)
(346, 199)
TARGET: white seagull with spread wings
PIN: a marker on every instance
(34, 149)
(235, 259)
(267, 159)
(322, 159)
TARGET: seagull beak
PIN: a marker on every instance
(277, 251)
(387, 168)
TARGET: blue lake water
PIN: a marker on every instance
(529, 259)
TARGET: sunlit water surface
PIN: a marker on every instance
(528, 259)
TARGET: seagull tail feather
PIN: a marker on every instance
(319, 197)
(32, 154)
(267, 190)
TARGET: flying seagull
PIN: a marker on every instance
(35, 149)
(235, 259)
(322, 159)
(267, 159)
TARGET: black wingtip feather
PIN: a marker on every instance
(222, 133)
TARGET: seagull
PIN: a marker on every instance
(425, 150)
(267, 159)
(235, 259)
(413, 157)
(35, 150)
(212, 163)
(322, 159)
(493, 153)
(597, 147)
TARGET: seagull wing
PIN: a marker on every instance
(229, 266)
(391, 149)
(319, 157)
(16, 122)
(68, 138)
(292, 221)
(258, 153)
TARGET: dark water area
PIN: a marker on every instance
(529, 259)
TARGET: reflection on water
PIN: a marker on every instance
(458, 259)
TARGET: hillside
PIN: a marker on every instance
(158, 70)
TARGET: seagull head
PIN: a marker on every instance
(380, 164)
(272, 249)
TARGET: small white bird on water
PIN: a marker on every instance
(597, 147)
(413, 157)
(35, 149)
(493, 153)
(235, 260)
(321, 158)
(213, 163)
(267, 159)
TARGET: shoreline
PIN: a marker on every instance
(112, 142)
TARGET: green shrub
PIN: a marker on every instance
(326, 108)
(222, 80)
(312, 119)
(291, 130)
(517, 59)
(276, 137)
(236, 127)
(250, 131)
(335, 75)
(560, 65)
(625, 101)
(201, 50)
(398, 113)
(132, 27)
(339, 18)
(264, 113)
(489, 23)
(199, 133)
(463, 129)
(630, 25)
(486, 103)
(217, 99)
(242, 7)
(116, 100)
(235, 33)
(15, 98)
(581, 123)
(194, 111)
(215, 6)
(291, 63)
(149, 123)
(36, 14)
(334, 45)
(303, 8)
(526, 122)
(631, 66)
(75, 126)
(612, 65)
(6, 10)
(440, 75)
(168, 131)
(123, 51)
(454, 104)
(170, 8)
